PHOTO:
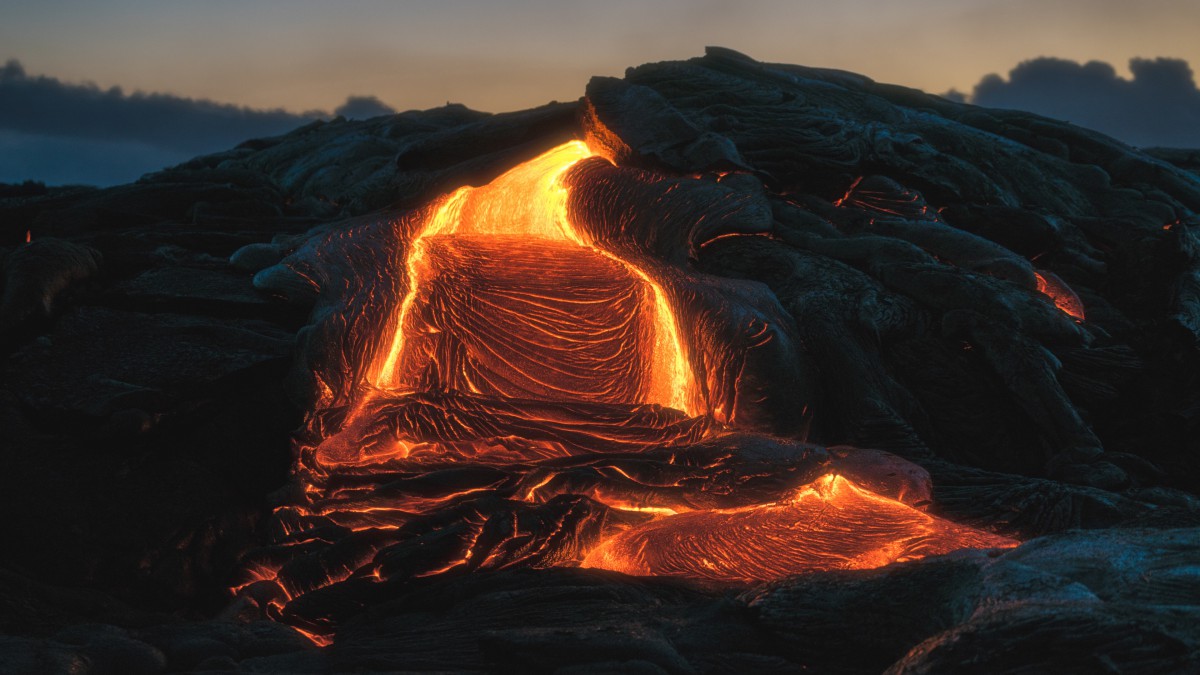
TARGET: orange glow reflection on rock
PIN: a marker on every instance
(529, 202)
(829, 524)
(1049, 285)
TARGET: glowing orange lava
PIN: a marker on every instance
(1057, 290)
(829, 524)
(526, 210)
(531, 402)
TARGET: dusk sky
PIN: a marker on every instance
(303, 55)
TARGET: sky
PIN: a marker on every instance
(298, 59)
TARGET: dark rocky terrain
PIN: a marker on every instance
(157, 356)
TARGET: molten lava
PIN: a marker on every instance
(1050, 285)
(829, 524)
(507, 297)
(532, 400)
(482, 323)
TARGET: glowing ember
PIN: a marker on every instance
(829, 524)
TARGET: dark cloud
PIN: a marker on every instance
(1159, 106)
(47, 106)
(955, 95)
(363, 107)
(58, 160)
(59, 132)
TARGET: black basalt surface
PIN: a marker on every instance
(160, 345)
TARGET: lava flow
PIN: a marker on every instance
(545, 393)
(829, 524)
(517, 302)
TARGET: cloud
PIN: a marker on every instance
(58, 160)
(955, 95)
(1158, 106)
(363, 107)
(47, 106)
(59, 132)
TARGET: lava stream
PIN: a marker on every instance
(512, 227)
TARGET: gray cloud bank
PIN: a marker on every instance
(61, 133)
(1158, 106)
